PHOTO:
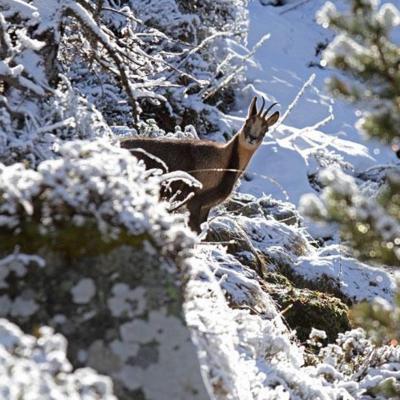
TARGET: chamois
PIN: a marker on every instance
(217, 166)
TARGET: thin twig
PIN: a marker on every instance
(294, 7)
(200, 46)
(364, 365)
(209, 92)
(69, 122)
(266, 177)
(306, 84)
(79, 13)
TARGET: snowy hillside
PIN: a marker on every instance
(256, 306)
(319, 129)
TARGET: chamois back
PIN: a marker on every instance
(178, 154)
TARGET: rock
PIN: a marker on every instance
(121, 312)
(304, 309)
(257, 241)
(250, 206)
(264, 235)
(89, 250)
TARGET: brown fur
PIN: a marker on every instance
(217, 159)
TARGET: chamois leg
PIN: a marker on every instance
(198, 215)
(194, 219)
(204, 214)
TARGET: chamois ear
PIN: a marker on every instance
(252, 108)
(273, 118)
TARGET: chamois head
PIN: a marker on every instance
(257, 124)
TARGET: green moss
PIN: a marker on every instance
(305, 309)
(136, 394)
(304, 303)
(68, 240)
(276, 278)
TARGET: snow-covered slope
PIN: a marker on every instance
(318, 130)
(248, 289)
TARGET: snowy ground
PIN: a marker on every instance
(318, 130)
(282, 68)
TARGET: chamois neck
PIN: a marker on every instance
(244, 151)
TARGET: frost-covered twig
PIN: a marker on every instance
(317, 126)
(173, 67)
(70, 122)
(222, 83)
(181, 203)
(5, 40)
(13, 76)
(365, 365)
(151, 157)
(291, 8)
(13, 112)
(200, 47)
(94, 31)
(249, 53)
(187, 179)
(306, 84)
(209, 92)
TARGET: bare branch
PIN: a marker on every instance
(95, 32)
(13, 76)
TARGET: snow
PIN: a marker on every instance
(318, 131)
(37, 368)
(269, 173)
(88, 20)
(26, 10)
(389, 16)
(249, 353)
(245, 349)
(126, 195)
(355, 280)
(281, 69)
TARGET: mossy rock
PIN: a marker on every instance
(304, 309)
(120, 308)
(324, 283)
(249, 206)
(258, 242)
(277, 279)
(68, 240)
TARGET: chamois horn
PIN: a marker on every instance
(262, 107)
(268, 109)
